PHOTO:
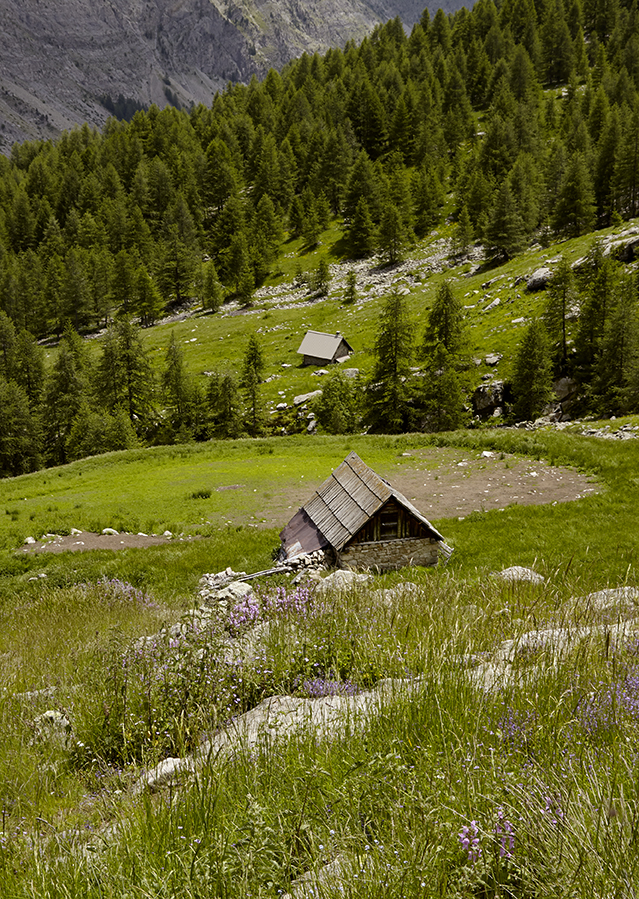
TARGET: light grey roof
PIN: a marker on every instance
(346, 500)
(322, 346)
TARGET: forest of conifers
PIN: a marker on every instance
(174, 205)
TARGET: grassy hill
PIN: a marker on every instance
(393, 801)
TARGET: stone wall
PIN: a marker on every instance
(389, 554)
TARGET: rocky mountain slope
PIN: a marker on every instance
(60, 58)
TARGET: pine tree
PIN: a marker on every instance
(389, 392)
(463, 231)
(322, 278)
(575, 209)
(225, 414)
(618, 348)
(393, 235)
(561, 296)
(362, 234)
(255, 416)
(337, 409)
(532, 373)
(445, 323)
(505, 229)
(441, 397)
(350, 293)
(20, 439)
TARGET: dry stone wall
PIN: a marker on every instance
(390, 554)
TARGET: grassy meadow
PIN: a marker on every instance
(459, 788)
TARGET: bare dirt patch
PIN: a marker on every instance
(443, 482)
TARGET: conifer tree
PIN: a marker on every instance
(505, 229)
(561, 296)
(445, 323)
(337, 409)
(441, 397)
(532, 373)
(389, 392)
(252, 374)
(350, 293)
(575, 209)
(393, 235)
(362, 234)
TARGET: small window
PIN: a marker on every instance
(388, 526)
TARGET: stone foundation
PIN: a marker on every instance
(390, 554)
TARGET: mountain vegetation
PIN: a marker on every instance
(519, 121)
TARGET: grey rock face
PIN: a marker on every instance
(539, 279)
(59, 59)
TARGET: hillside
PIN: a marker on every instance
(445, 728)
(59, 60)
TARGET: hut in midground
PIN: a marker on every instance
(365, 522)
(318, 348)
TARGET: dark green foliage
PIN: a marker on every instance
(441, 397)
(561, 296)
(532, 373)
(225, 414)
(174, 206)
(252, 377)
(445, 324)
(389, 393)
(337, 410)
(505, 229)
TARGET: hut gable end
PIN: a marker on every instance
(392, 522)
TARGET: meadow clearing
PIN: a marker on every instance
(507, 769)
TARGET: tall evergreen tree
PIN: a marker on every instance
(532, 373)
(389, 392)
(561, 296)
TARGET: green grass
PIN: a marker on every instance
(390, 800)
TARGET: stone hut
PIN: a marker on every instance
(322, 349)
(365, 521)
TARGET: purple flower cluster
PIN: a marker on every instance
(505, 835)
(277, 603)
(602, 710)
(245, 613)
(469, 839)
(113, 591)
(316, 687)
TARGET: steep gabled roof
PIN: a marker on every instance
(322, 346)
(347, 499)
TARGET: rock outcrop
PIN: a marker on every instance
(60, 59)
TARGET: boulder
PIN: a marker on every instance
(493, 358)
(539, 279)
(518, 573)
(306, 397)
(234, 592)
(53, 727)
(29, 540)
(492, 305)
(110, 532)
(488, 397)
(341, 581)
(281, 407)
(350, 372)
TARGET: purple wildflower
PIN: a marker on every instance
(505, 834)
(469, 839)
(318, 686)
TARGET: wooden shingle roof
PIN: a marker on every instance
(343, 504)
(321, 345)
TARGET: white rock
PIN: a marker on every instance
(492, 305)
(493, 358)
(235, 591)
(30, 540)
(75, 532)
(167, 534)
(342, 580)
(281, 406)
(110, 532)
(306, 397)
(518, 573)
